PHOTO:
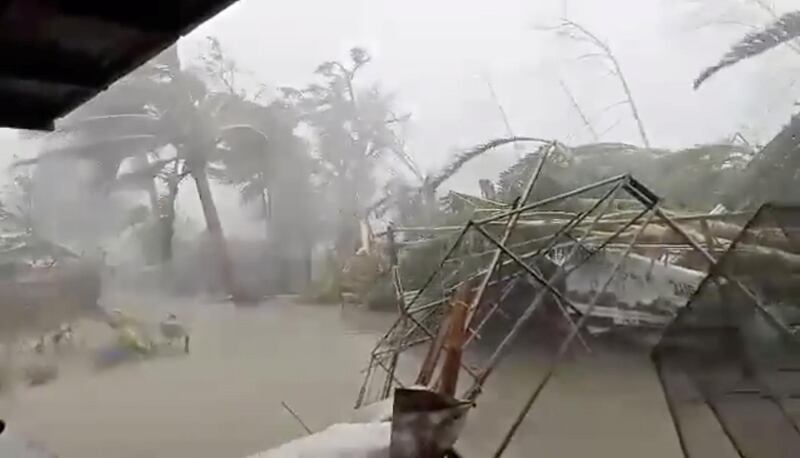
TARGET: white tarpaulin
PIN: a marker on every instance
(353, 440)
(643, 292)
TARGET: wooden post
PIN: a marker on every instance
(453, 348)
(391, 245)
(401, 308)
(428, 365)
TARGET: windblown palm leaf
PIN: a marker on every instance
(142, 178)
(117, 147)
(252, 191)
(462, 158)
(511, 182)
(106, 126)
(786, 28)
(27, 246)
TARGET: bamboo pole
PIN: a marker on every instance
(428, 281)
(434, 351)
(575, 221)
(398, 292)
(576, 106)
(476, 333)
(673, 412)
(562, 272)
(297, 417)
(564, 347)
(406, 346)
(550, 200)
(454, 346)
(362, 391)
(494, 359)
(509, 230)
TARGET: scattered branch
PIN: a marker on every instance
(578, 32)
(579, 110)
(500, 108)
(297, 417)
(460, 159)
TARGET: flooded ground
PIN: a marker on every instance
(224, 399)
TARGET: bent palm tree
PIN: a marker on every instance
(779, 159)
(353, 132)
(162, 105)
(783, 30)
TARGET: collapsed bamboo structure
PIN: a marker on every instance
(604, 255)
(418, 322)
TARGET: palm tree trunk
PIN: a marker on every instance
(143, 162)
(266, 208)
(215, 232)
(152, 194)
(167, 218)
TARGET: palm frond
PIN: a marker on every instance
(13, 221)
(220, 174)
(106, 148)
(27, 245)
(462, 158)
(229, 132)
(143, 177)
(784, 29)
(604, 148)
(111, 125)
(251, 191)
(168, 61)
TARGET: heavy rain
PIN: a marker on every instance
(410, 229)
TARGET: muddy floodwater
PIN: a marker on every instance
(223, 400)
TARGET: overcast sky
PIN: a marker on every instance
(432, 53)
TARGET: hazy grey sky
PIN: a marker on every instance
(431, 54)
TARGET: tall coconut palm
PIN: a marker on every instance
(270, 162)
(353, 131)
(162, 109)
(276, 172)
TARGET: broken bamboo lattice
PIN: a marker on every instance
(400, 338)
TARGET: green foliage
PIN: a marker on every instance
(352, 129)
(20, 239)
(274, 171)
(170, 122)
(459, 160)
(696, 178)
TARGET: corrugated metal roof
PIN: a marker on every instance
(56, 54)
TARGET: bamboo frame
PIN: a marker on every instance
(509, 230)
(565, 346)
(399, 338)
